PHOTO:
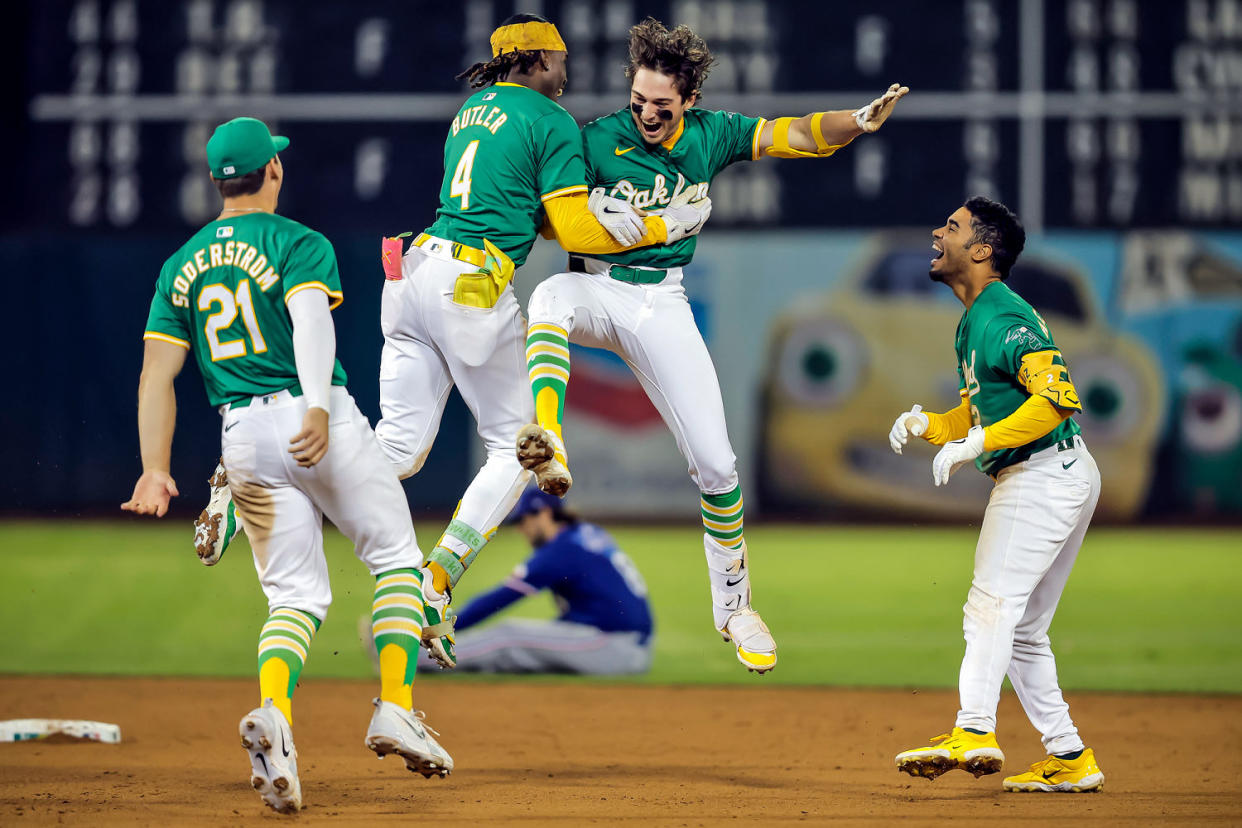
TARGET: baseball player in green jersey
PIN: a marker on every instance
(513, 167)
(661, 151)
(512, 161)
(250, 295)
(1015, 423)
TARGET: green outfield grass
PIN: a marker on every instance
(1149, 609)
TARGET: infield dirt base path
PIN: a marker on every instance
(573, 754)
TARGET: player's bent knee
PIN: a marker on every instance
(548, 304)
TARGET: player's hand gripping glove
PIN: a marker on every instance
(617, 216)
(872, 116)
(955, 454)
(685, 220)
(912, 423)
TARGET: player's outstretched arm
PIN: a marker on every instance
(157, 416)
(820, 134)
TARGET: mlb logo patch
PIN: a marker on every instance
(224, 232)
(489, 96)
(229, 170)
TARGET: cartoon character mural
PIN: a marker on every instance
(839, 365)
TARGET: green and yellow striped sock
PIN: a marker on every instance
(397, 624)
(547, 362)
(722, 517)
(284, 643)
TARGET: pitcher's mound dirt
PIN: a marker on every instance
(573, 754)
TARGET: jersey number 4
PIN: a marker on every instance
(229, 302)
(459, 187)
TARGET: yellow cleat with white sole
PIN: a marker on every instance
(756, 648)
(1057, 775)
(976, 753)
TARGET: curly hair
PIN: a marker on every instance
(995, 224)
(681, 54)
(499, 67)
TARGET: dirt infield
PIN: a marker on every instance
(570, 754)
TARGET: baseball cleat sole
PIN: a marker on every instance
(428, 766)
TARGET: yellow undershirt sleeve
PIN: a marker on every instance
(951, 425)
(1034, 418)
(578, 231)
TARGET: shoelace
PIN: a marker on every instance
(422, 719)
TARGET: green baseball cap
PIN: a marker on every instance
(240, 146)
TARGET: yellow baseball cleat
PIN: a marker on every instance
(1055, 775)
(756, 648)
(961, 750)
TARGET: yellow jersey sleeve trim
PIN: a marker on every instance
(577, 188)
(754, 143)
(335, 297)
(166, 338)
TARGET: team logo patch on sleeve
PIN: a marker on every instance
(224, 232)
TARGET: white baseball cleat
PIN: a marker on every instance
(542, 452)
(216, 527)
(268, 739)
(404, 732)
(756, 648)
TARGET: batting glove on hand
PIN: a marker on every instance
(872, 116)
(617, 216)
(956, 454)
(683, 221)
(912, 423)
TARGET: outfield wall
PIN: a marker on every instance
(820, 338)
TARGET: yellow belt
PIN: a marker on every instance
(460, 252)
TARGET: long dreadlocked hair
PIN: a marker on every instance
(499, 67)
(681, 54)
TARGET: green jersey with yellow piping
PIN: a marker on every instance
(223, 295)
(650, 176)
(509, 149)
(994, 334)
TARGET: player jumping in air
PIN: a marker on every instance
(1015, 423)
(658, 151)
(251, 295)
(512, 160)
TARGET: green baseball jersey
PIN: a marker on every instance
(223, 294)
(649, 177)
(994, 334)
(509, 149)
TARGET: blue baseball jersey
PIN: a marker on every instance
(594, 582)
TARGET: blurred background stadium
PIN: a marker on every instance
(1113, 127)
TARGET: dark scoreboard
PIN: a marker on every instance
(1079, 113)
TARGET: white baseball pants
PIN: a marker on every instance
(432, 343)
(1033, 527)
(652, 328)
(282, 504)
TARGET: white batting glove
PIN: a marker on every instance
(686, 220)
(618, 217)
(955, 454)
(912, 423)
(872, 116)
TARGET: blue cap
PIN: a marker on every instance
(534, 500)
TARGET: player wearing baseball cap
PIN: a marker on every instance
(656, 154)
(604, 626)
(250, 294)
(1015, 424)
